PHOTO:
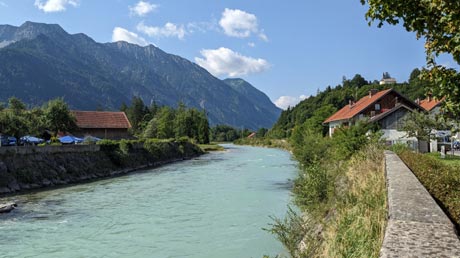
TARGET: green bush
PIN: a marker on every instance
(312, 186)
(291, 232)
(108, 145)
(441, 180)
(349, 140)
(125, 146)
(153, 147)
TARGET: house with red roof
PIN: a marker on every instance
(431, 104)
(388, 108)
(442, 137)
(102, 124)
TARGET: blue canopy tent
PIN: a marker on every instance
(69, 139)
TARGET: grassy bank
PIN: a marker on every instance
(441, 177)
(341, 194)
(449, 159)
(264, 142)
(211, 147)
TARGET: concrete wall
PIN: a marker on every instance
(24, 168)
(417, 227)
(48, 149)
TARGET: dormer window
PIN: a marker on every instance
(377, 107)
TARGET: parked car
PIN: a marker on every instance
(7, 140)
(30, 140)
(443, 139)
(456, 145)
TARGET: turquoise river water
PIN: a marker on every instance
(212, 206)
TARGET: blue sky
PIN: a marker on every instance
(284, 48)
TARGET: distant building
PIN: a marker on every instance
(388, 108)
(102, 124)
(386, 79)
(252, 135)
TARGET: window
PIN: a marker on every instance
(377, 107)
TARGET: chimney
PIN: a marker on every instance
(372, 92)
(429, 97)
(350, 103)
(396, 101)
(417, 101)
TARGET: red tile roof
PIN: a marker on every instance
(348, 112)
(101, 119)
(430, 103)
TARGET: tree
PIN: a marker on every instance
(182, 122)
(203, 128)
(16, 105)
(438, 22)
(315, 122)
(261, 132)
(35, 120)
(58, 116)
(151, 130)
(136, 113)
(358, 81)
(419, 125)
(12, 124)
(165, 125)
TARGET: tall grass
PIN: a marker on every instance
(341, 193)
(359, 224)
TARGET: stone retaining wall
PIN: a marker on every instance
(23, 150)
(31, 167)
(417, 227)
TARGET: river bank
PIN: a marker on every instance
(339, 194)
(31, 168)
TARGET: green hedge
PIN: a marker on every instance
(441, 180)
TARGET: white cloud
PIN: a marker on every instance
(120, 34)
(252, 44)
(263, 37)
(284, 102)
(224, 61)
(50, 6)
(202, 27)
(3, 4)
(168, 30)
(142, 8)
(240, 24)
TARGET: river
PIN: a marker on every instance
(212, 206)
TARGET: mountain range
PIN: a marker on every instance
(40, 62)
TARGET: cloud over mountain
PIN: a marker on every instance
(121, 34)
(168, 30)
(224, 61)
(284, 102)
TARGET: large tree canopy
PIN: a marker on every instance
(438, 22)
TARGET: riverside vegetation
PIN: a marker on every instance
(340, 193)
